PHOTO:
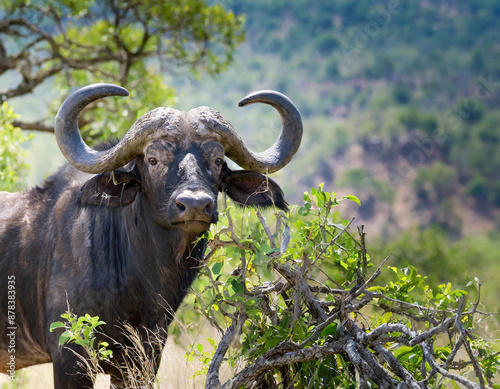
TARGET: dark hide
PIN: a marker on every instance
(123, 246)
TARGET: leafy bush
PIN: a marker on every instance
(401, 94)
(11, 154)
(361, 180)
(301, 308)
(81, 330)
(413, 118)
(442, 258)
(478, 188)
(495, 194)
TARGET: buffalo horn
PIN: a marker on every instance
(281, 152)
(87, 159)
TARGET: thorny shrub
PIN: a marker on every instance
(297, 305)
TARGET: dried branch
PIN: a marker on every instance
(430, 359)
(266, 363)
(266, 229)
(369, 354)
(213, 381)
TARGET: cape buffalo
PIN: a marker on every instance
(119, 231)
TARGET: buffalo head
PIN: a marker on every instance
(175, 160)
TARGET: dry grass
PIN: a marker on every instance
(175, 372)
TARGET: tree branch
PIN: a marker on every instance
(37, 126)
(213, 381)
(266, 363)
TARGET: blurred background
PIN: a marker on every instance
(400, 103)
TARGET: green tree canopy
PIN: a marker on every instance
(130, 43)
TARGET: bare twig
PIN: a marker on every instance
(272, 241)
(430, 359)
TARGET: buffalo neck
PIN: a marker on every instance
(165, 261)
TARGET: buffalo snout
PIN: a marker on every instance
(194, 210)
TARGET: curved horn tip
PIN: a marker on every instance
(263, 96)
(110, 89)
(76, 101)
(67, 133)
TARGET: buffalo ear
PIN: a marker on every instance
(251, 188)
(113, 189)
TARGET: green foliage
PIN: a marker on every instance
(81, 330)
(473, 148)
(198, 353)
(186, 33)
(128, 43)
(136, 367)
(413, 118)
(11, 155)
(401, 94)
(305, 286)
(478, 188)
(444, 259)
(361, 180)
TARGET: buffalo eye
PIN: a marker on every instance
(218, 161)
(152, 161)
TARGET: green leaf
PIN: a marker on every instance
(217, 267)
(237, 286)
(69, 316)
(212, 342)
(271, 342)
(265, 248)
(57, 324)
(403, 352)
(303, 211)
(353, 198)
(65, 337)
(331, 329)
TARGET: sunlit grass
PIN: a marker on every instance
(175, 372)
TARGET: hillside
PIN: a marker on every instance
(401, 107)
(400, 103)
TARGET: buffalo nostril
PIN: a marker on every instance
(180, 206)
